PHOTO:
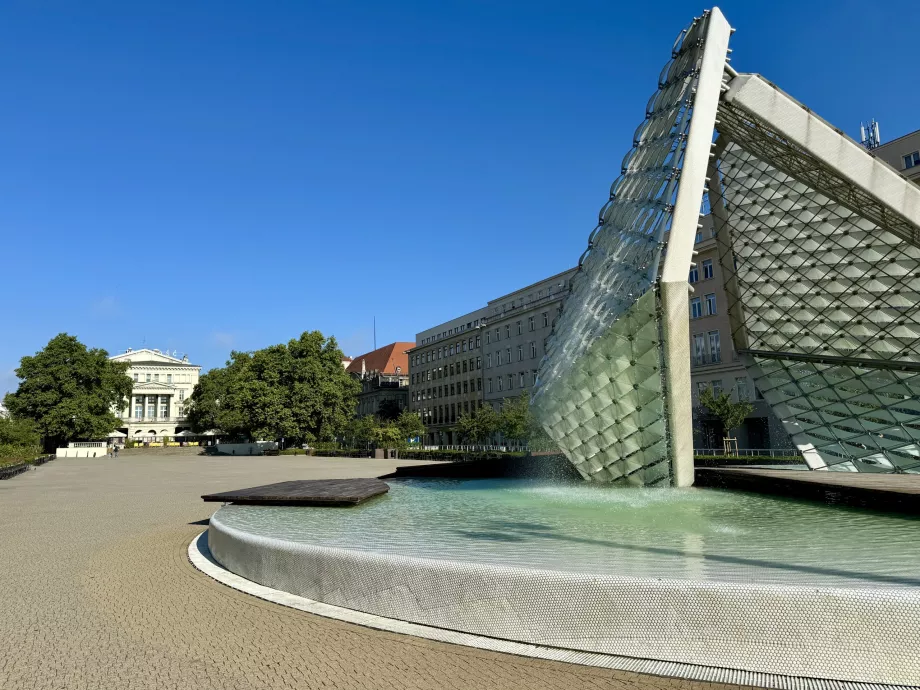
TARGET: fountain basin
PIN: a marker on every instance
(697, 576)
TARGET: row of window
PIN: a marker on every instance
(468, 326)
(447, 414)
(519, 327)
(446, 351)
(741, 389)
(180, 378)
(454, 369)
(912, 159)
(500, 381)
(459, 388)
(707, 271)
(703, 307)
(559, 287)
(532, 348)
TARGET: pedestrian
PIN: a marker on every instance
(116, 451)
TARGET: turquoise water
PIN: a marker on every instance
(698, 534)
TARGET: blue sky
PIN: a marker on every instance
(207, 176)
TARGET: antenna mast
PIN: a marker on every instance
(869, 135)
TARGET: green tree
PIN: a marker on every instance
(359, 432)
(515, 421)
(70, 392)
(388, 435)
(478, 426)
(19, 440)
(298, 391)
(731, 414)
(388, 409)
(410, 424)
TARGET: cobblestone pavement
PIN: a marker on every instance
(97, 593)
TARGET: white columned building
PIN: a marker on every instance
(162, 385)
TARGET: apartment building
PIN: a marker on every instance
(902, 154)
(445, 375)
(513, 342)
(384, 377)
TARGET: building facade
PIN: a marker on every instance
(513, 342)
(162, 384)
(384, 377)
(902, 154)
(713, 360)
(445, 375)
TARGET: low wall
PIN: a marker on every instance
(256, 448)
(82, 452)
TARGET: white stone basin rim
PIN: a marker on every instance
(858, 635)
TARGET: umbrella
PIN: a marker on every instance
(117, 434)
(185, 433)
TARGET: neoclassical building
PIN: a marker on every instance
(162, 384)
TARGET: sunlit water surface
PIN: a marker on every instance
(699, 534)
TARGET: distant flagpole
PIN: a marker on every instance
(375, 332)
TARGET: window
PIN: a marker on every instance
(498, 335)
(489, 361)
(488, 385)
(152, 407)
(508, 352)
(498, 358)
(715, 347)
(139, 407)
(545, 319)
(741, 387)
(488, 337)
(510, 382)
(710, 304)
(479, 387)
(696, 308)
(464, 346)
(168, 378)
(533, 377)
(501, 386)
(520, 327)
(466, 387)
(148, 378)
(912, 159)
(478, 340)
(694, 275)
(717, 387)
(521, 380)
(533, 350)
(700, 387)
(164, 407)
(707, 269)
(451, 350)
(451, 389)
(699, 235)
(135, 378)
(451, 369)
(699, 349)
(464, 366)
(182, 394)
(520, 353)
(530, 323)
(507, 330)
(479, 362)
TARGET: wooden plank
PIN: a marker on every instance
(895, 492)
(305, 492)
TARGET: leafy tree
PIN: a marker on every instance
(410, 425)
(19, 440)
(388, 410)
(298, 391)
(515, 421)
(70, 392)
(478, 426)
(359, 432)
(388, 435)
(731, 414)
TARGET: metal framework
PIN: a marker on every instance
(820, 252)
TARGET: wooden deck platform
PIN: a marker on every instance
(307, 492)
(895, 492)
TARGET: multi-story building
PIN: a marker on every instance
(513, 342)
(384, 376)
(162, 384)
(445, 375)
(902, 154)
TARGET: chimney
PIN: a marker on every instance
(362, 367)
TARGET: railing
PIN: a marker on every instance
(135, 420)
(772, 452)
(87, 444)
(477, 448)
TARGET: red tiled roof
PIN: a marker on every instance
(384, 359)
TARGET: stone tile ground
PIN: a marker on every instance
(97, 593)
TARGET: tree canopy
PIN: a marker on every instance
(298, 391)
(70, 392)
(731, 414)
(478, 426)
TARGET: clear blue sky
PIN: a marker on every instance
(203, 176)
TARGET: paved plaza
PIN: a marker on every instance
(98, 593)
